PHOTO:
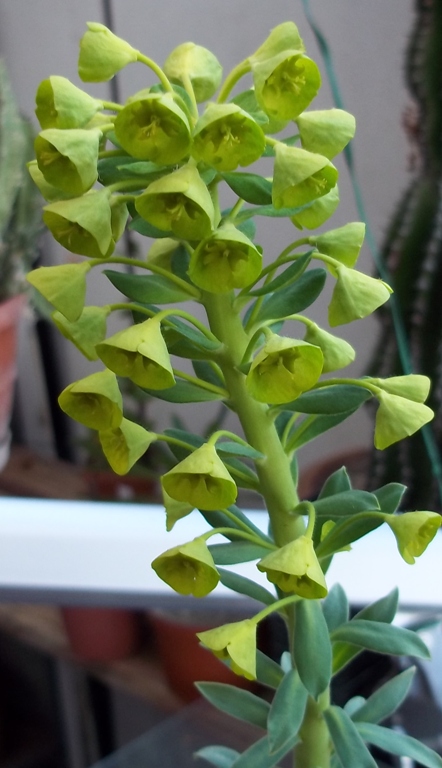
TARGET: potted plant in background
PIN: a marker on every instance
(20, 223)
(159, 162)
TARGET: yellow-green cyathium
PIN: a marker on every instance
(189, 569)
(202, 480)
(283, 369)
(94, 401)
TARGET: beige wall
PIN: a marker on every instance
(40, 37)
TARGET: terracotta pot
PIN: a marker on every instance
(102, 634)
(10, 314)
(184, 660)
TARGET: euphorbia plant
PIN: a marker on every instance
(159, 162)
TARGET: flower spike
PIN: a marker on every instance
(201, 480)
(189, 569)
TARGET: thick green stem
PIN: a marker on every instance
(313, 751)
(276, 482)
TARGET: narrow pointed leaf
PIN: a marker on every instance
(382, 637)
(288, 276)
(313, 426)
(337, 482)
(232, 448)
(259, 755)
(294, 298)
(245, 586)
(399, 744)
(238, 703)
(335, 607)
(207, 372)
(346, 503)
(236, 552)
(385, 701)
(347, 741)
(338, 398)
(250, 187)
(287, 711)
(383, 609)
(184, 392)
(312, 648)
(147, 288)
(220, 757)
(390, 496)
(268, 672)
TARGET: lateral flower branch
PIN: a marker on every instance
(157, 164)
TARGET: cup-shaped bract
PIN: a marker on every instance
(226, 136)
(64, 286)
(82, 225)
(94, 401)
(397, 417)
(343, 244)
(318, 212)
(196, 64)
(180, 203)
(161, 252)
(413, 386)
(300, 177)
(326, 131)
(201, 480)
(140, 354)
(355, 296)
(154, 128)
(86, 332)
(225, 260)
(286, 83)
(68, 158)
(414, 531)
(189, 569)
(60, 104)
(283, 37)
(47, 191)
(283, 369)
(235, 641)
(175, 510)
(337, 352)
(125, 444)
(102, 54)
(119, 217)
(295, 569)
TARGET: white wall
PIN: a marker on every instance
(40, 37)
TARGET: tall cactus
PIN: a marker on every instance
(412, 253)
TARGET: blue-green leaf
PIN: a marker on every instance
(345, 504)
(184, 392)
(383, 702)
(208, 372)
(220, 757)
(381, 637)
(268, 672)
(313, 426)
(335, 607)
(337, 398)
(137, 224)
(237, 552)
(337, 482)
(312, 648)
(232, 448)
(287, 711)
(259, 755)
(237, 702)
(347, 742)
(193, 335)
(294, 297)
(289, 275)
(146, 288)
(383, 609)
(250, 187)
(390, 496)
(399, 744)
(245, 586)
